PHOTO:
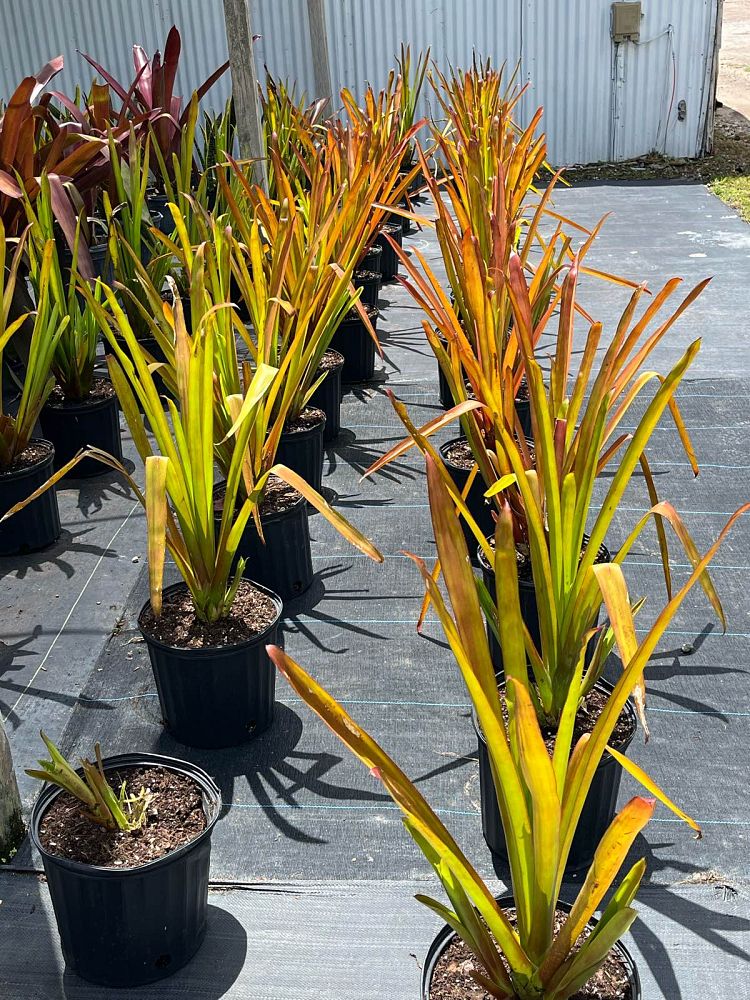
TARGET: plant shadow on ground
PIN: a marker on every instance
(360, 453)
(275, 771)
(37, 562)
(11, 659)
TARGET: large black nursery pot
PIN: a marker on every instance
(218, 696)
(356, 346)
(389, 261)
(327, 397)
(598, 810)
(71, 426)
(282, 561)
(38, 525)
(125, 927)
(479, 508)
(446, 936)
(302, 450)
(528, 602)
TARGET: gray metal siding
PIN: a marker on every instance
(600, 102)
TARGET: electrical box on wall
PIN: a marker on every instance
(626, 22)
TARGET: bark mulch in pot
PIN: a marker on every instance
(178, 625)
(175, 817)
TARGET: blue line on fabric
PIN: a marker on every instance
(461, 705)
(387, 807)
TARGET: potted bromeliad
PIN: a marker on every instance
(82, 408)
(560, 531)
(285, 464)
(126, 847)
(27, 461)
(531, 944)
(206, 634)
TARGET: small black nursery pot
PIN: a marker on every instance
(215, 696)
(354, 343)
(479, 508)
(125, 927)
(389, 261)
(37, 525)
(94, 421)
(598, 810)
(327, 397)
(301, 446)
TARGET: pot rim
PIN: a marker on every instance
(449, 462)
(209, 651)
(529, 583)
(372, 277)
(29, 470)
(271, 515)
(339, 362)
(606, 760)
(446, 935)
(373, 314)
(211, 808)
(85, 404)
(305, 431)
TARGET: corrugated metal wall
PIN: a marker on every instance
(601, 101)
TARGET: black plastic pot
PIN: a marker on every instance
(327, 397)
(446, 397)
(372, 260)
(523, 412)
(283, 563)
(369, 282)
(302, 451)
(446, 936)
(598, 810)
(101, 264)
(38, 525)
(389, 261)
(161, 217)
(72, 426)
(217, 696)
(479, 508)
(357, 347)
(125, 927)
(529, 609)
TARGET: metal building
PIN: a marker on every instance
(615, 83)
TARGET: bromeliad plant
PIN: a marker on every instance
(132, 239)
(408, 88)
(550, 486)
(541, 796)
(75, 356)
(103, 805)
(286, 119)
(151, 95)
(33, 142)
(49, 325)
(233, 403)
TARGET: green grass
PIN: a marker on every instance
(735, 191)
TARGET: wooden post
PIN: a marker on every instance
(238, 22)
(11, 824)
(319, 49)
